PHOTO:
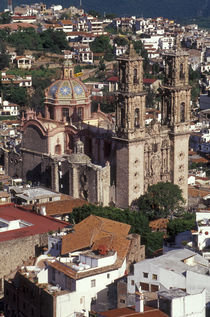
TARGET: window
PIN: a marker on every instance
(123, 117)
(122, 301)
(65, 112)
(182, 112)
(93, 283)
(108, 275)
(144, 286)
(132, 282)
(145, 275)
(135, 77)
(81, 300)
(80, 112)
(154, 288)
(181, 71)
(154, 277)
(136, 118)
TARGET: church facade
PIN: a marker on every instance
(106, 161)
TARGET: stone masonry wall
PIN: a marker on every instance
(14, 252)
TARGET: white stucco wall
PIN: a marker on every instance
(80, 300)
(189, 306)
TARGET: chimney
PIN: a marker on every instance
(139, 301)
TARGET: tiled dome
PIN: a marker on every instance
(67, 88)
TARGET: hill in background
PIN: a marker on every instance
(149, 8)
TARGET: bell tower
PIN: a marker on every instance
(130, 111)
(176, 112)
(130, 129)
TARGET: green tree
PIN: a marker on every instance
(138, 221)
(4, 57)
(120, 41)
(101, 44)
(151, 98)
(94, 13)
(161, 200)
(101, 65)
(17, 95)
(5, 18)
(153, 242)
(178, 225)
(77, 69)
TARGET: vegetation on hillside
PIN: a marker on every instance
(29, 39)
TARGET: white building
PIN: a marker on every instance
(201, 237)
(180, 268)
(177, 303)
(95, 253)
(8, 109)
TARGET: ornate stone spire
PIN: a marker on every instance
(68, 69)
(131, 51)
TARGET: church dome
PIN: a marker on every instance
(68, 89)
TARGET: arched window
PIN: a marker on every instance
(182, 112)
(136, 118)
(123, 117)
(58, 149)
(181, 74)
(135, 77)
(80, 113)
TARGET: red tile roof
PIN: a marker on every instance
(61, 207)
(130, 311)
(113, 78)
(40, 224)
(149, 80)
(90, 231)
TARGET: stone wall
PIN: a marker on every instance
(14, 252)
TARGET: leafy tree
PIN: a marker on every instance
(150, 98)
(101, 44)
(94, 13)
(49, 40)
(153, 242)
(17, 95)
(110, 16)
(101, 65)
(54, 41)
(4, 57)
(138, 221)
(5, 18)
(77, 69)
(161, 200)
(178, 225)
(121, 41)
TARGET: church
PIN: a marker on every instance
(104, 160)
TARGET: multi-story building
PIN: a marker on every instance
(95, 253)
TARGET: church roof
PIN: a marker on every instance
(66, 89)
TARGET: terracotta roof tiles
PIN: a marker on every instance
(90, 230)
(130, 311)
(62, 207)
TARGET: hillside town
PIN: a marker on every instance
(104, 164)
